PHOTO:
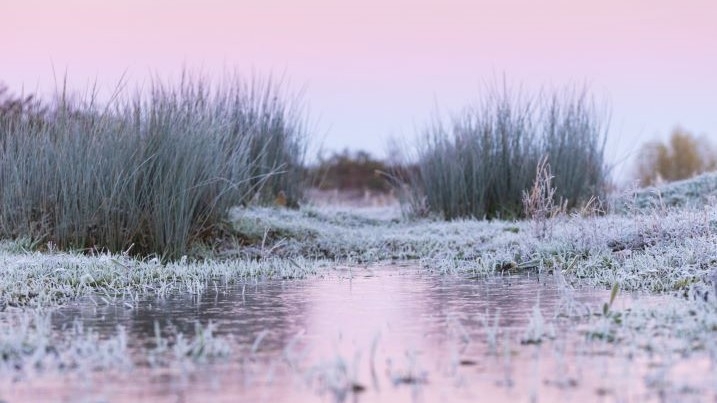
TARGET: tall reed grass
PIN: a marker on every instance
(479, 163)
(155, 172)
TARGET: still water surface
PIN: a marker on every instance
(366, 334)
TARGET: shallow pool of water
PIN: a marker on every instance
(362, 334)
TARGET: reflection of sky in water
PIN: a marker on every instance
(384, 324)
(404, 305)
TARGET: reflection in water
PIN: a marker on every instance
(370, 335)
(240, 311)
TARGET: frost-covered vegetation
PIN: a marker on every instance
(153, 173)
(479, 163)
(660, 250)
(689, 193)
(45, 280)
(171, 190)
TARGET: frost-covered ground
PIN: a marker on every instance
(660, 241)
(656, 249)
(693, 192)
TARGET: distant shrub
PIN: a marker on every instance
(682, 157)
(155, 173)
(481, 162)
(350, 171)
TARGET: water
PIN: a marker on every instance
(383, 334)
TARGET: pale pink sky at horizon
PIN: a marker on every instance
(375, 69)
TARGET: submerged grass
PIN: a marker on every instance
(29, 345)
(151, 174)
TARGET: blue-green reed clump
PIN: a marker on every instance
(154, 173)
(479, 164)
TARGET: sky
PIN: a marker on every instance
(371, 70)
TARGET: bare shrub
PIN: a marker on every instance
(350, 171)
(539, 202)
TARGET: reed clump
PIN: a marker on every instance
(153, 173)
(479, 163)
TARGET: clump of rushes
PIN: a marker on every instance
(479, 164)
(154, 173)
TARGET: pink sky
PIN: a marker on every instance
(373, 69)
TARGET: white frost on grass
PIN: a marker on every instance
(658, 250)
(357, 238)
(29, 346)
(693, 192)
(43, 280)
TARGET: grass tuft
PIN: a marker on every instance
(479, 164)
(151, 174)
